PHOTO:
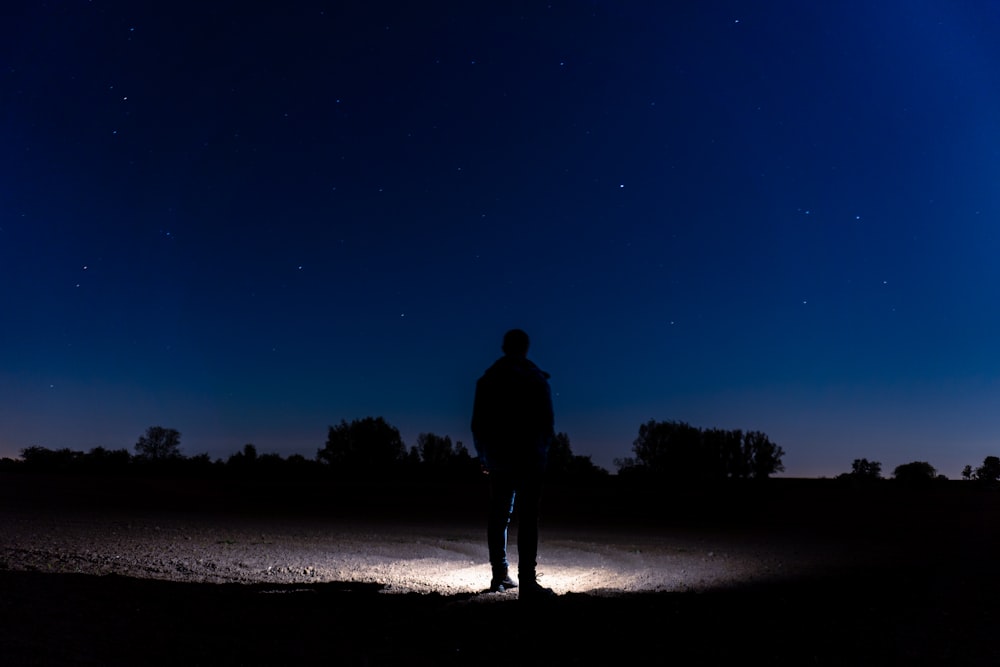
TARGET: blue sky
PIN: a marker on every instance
(249, 224)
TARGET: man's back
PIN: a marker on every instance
(512, 421)
(512, 402)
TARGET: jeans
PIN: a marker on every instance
(525, 490)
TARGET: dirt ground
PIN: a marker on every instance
(400, 557)
(81, 586)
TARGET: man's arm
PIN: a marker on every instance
(479, 422)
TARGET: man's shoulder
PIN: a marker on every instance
(489, 372)
(509, 369)
(533, 368)
(527, 371)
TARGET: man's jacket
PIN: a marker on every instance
(512, 419)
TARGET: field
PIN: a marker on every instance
(156, 571)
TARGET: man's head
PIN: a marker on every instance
(515, 343)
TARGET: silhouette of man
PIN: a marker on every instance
(512, 429)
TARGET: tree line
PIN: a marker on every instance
(921, 472)
(670, 449)
(673, 451)
(368, 445)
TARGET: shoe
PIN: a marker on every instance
(501, 584)
(532, 590)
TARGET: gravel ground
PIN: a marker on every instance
(404, 558)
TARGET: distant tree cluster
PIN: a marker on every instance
(248, 460)
(439, 456)
(159, 444)
(917, 473)
(863, 471)
(681, 452)
(363, 444)
(988, 473)
(564, 464)
(373, 445)
(157, 449)
(97, 459)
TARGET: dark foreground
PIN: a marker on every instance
(864, 618)
(934, 601)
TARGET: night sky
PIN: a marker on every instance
(249, 221)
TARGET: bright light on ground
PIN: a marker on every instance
(605, 565)
(403, 559)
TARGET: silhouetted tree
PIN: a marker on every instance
(435, 451)
(564, 464)
(97, 460)
(763, 456)
(584, 467)
(464, 463)
(463, 456)
(917, 472)
(682, 452)
(560, 454)
(159, 444)
(35, 455)
(270, 461)
(243, 459)
(298, 464)
(364, 444)
(107, 460)
(412, 457)
(967, 473)
(989, 472)
(863, 470)
(199, 465)
(670, 449)
(42, 458)
(626, 465)
(202, 461)
(723, 453)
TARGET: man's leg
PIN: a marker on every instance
(529, 498)
(528, 504)
(502, 493)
